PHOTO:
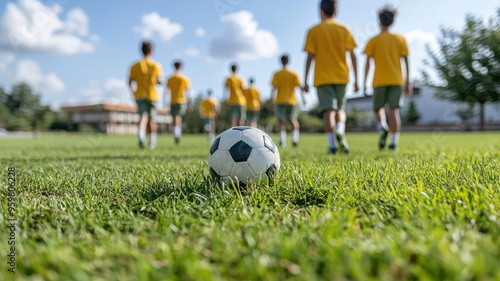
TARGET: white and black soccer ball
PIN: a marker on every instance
(243, 155)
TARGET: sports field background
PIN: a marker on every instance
(94, 207)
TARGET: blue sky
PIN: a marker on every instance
(80, 51)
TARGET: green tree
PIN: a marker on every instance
(22, 110)
(468, 64)
(411, 115)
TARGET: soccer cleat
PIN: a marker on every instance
(383, 133)
(282, 144)
(177, 140)
(393, 146)
(295, 144)
(332, 150)
(344, 147)
(141, 144)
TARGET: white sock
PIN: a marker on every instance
(152, 139)
(295, 136)
(340, 127)
(142, 135)
(331, 140)
(283, 138)
(177, 132)
(382, 124)
(210, 137)
(395, 138)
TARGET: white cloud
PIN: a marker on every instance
(29, 71)
(153, 23)
(77, 22)
(417, 40)
(31, 26)
(113, 90)
(6, 58)
(242, 39)
(200, 32)
(192, 52)
(419, 36)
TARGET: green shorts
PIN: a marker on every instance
(146, 106)
(286, 112)
(178, 109)
(237, 111)
(253, 115)
(331, 97)
(208, 124)
(391, 95)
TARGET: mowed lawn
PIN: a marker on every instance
(92, 207)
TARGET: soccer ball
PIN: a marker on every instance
(243, 155)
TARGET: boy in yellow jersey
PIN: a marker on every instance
(286, 110)
(236, 101)
(327, 44)
(178, 87)
(386, 50)
(209, 109)
(254, 104)
(146, 75)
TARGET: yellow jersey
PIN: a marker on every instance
(236, 95)
(386, 49)
(252, 96)
(285, 81)
(145, 73)
(329, 41)
(178, 84)
(208, 108)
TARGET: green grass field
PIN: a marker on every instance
(94, 207)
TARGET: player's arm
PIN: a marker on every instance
(407, 89)
(367, 70)
(309, 60)
(130, 86)
(354, 62)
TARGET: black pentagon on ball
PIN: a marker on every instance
(242, 128)
(240, 151)
(215, 146)
(269, 144)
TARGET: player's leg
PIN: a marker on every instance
(143, 121)
(395, 100)
(340, 116)
(282, 129)
(280, 112)
(325, 97)
(152, 125)
(243, 115)
(379, 101)
(294, 115)
(211, 129)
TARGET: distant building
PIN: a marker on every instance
(109, 118)
(432, 110)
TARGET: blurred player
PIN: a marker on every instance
(284, 102)
(254, 103)
(145, 74)
(178, 88)
(326, 44)
(386, 50)
(235, 88)
(209, 109)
